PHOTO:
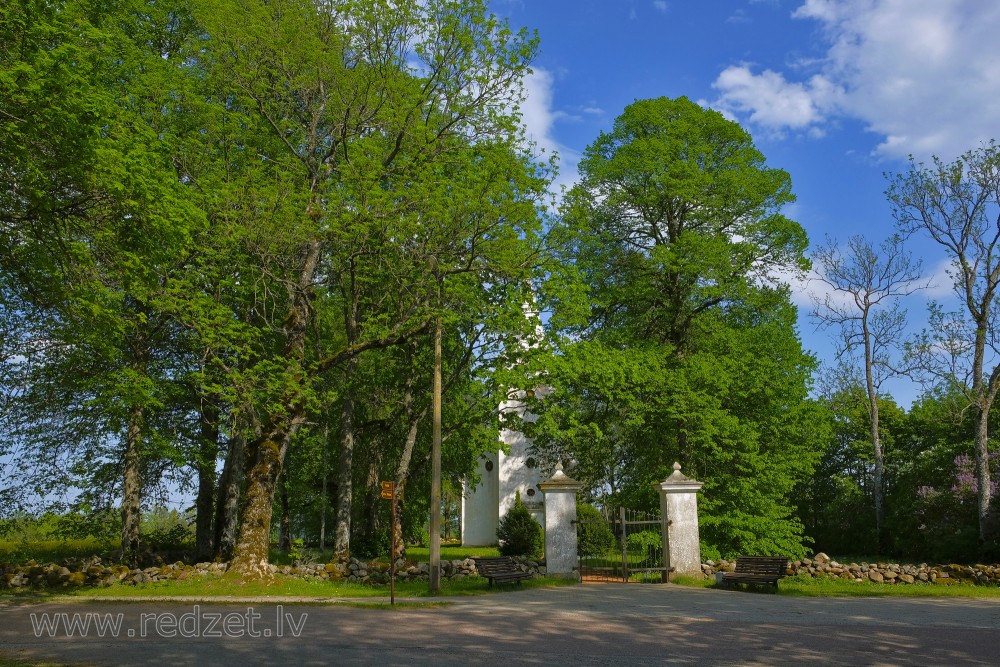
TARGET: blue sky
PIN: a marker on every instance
(836, 92)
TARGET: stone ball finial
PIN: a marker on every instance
(677, 466)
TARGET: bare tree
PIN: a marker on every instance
(958, 206)
(862, 302)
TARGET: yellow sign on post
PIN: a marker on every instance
(389, 493)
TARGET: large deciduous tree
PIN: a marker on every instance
(688, 350)
(352, 114)
(93, 221)
(233, 178)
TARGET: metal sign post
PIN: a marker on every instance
(389, 493)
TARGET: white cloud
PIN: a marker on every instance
(799, 286)
(739, 16)
(539, 117)
(773, 102)
(661, 6)
(537, 113)
(940, 283)
(924, 75)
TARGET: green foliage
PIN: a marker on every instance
(104, 525)
(175, 538)
(53, 551)
(295, 549)
(687, 349)
(368, 546)
(647, 547)
(594, 536)
(519, 534)
(710, 552)
(182, 212)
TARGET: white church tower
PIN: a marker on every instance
(504, 476)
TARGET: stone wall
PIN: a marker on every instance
(73, 573)
(821, 565)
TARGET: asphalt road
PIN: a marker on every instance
(606, 624)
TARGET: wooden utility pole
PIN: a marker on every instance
(435, 529)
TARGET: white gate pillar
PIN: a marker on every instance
(679, 510)
(560, 524)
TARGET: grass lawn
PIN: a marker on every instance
(817, 587)
(44, 551)
(294, 587)
(282, 586)
(840, 588)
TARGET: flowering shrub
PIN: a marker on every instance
(949, 520)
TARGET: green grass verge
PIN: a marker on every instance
(20, 662)
(833, 588)
(827, 587)
(290, 587)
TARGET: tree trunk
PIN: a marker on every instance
(266, 454)
(985, 393)
(373, 491)
(323, 497)
(873, 414)
(132, 487)
(204, 536)
(227, 512)
(434, 559)
(345, 464)
(413, 419)
(985, 497)
(345, 453)
(285, 533)
(251, 551)
(397, 526)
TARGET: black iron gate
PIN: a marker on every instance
(622, 545)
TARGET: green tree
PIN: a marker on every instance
(935, 509)
(94, 220)
(334, 149)
(847, 483)
(687, 350)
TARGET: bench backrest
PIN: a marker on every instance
(762, 565)
(494, 565)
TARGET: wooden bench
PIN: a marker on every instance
(502, 569)
(756, 570)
